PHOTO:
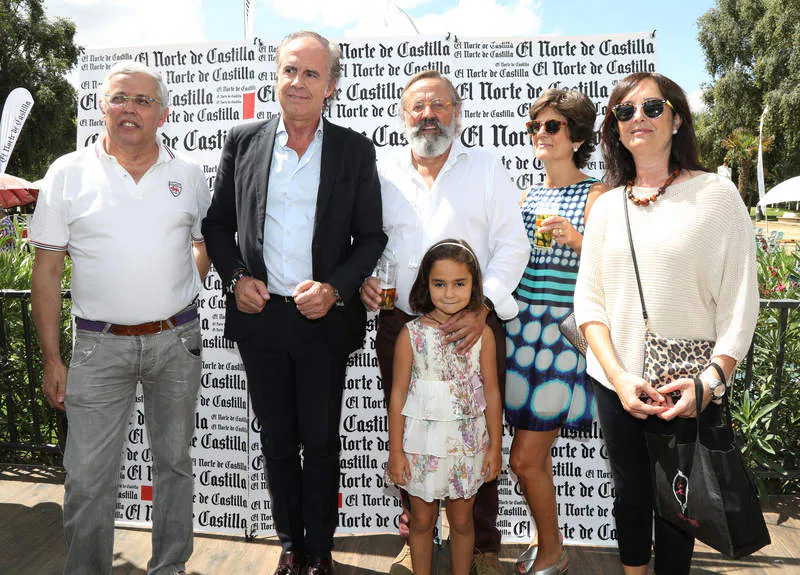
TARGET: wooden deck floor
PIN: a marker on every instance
(32, 543)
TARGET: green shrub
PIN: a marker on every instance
(20, 365)
(765, 416)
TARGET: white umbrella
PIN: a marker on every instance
(786, 191)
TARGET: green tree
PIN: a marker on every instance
(752, 50)
(36, 53)
(742, 153)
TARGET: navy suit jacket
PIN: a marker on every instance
(348, 233)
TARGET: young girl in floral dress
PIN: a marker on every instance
(445, 428)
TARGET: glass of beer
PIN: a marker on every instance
(543, 240)
(386, 272)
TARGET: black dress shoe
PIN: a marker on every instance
(319, 566)
(290, 563)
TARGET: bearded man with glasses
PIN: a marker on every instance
(128, 210)
(433, 189)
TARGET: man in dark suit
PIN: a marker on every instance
(293, 229)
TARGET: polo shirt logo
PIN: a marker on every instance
(175, 188)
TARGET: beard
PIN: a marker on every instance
(430, 145)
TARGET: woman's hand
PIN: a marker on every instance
(491, 464)
(563, 231)
(685, 406)
(399, 469)
(638, 397)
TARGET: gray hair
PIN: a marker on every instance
(334, 61)
(432, 75)
(132, 67)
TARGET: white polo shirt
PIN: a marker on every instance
(130, 244)
(472, 199)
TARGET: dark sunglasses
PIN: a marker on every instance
(652, 108)
(550, 126)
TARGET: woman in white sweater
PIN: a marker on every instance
(696, 255)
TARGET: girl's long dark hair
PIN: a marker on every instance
(450, 249)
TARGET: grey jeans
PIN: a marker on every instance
(101, 389)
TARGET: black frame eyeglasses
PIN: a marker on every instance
(550, 126)
(652, 108)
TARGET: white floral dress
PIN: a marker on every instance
(445, 437)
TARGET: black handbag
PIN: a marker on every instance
(572, 333)
(701, 483)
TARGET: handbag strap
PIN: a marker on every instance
(633, 255)
(726, 409)
(720, 373)
(698, 402)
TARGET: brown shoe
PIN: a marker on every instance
(488, 564)
(319, 566)
(402, 563)
(290, 563)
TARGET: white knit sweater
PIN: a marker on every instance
(697, 262)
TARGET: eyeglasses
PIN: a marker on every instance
(437, 107)
(652, 108)
(119, 100)
(550, 126)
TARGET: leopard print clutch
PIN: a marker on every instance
(669, 358)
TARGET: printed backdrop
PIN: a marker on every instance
(217, 85)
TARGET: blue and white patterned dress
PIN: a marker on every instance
(546, 386)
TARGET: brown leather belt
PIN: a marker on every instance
(148, 328)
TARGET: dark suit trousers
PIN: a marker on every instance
(486, 507)
(295, 381)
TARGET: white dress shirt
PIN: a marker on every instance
(472, 199)
(291, 208)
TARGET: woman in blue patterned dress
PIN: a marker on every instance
(546, 387)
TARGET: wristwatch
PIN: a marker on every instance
(715, 384)
(237, 275)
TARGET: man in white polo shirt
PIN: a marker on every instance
(128, 211)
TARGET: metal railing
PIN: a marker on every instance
(784, 306)
(30, 427)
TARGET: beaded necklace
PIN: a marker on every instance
(652, 199)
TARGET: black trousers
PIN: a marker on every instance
(295, 381)
(634, 503)
(487, 504)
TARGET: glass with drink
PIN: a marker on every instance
(543, 240)
(386, 272)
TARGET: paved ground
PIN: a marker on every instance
(32, 542)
